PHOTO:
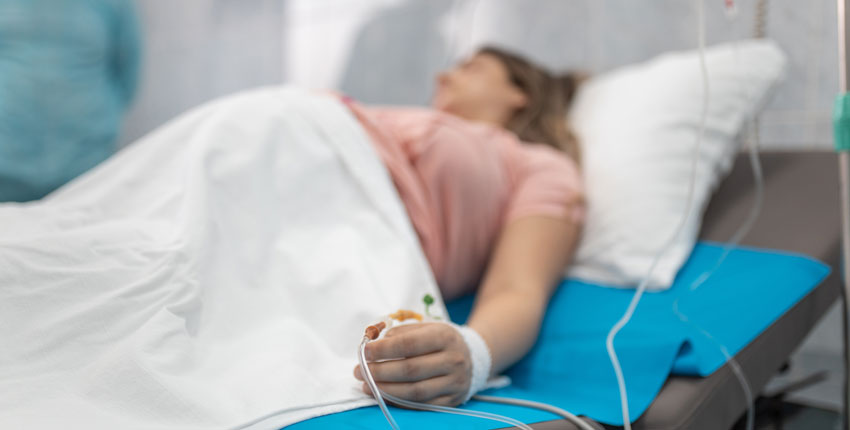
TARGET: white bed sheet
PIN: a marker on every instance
(218, 270)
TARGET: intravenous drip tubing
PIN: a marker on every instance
(732, 243)
(372, 333)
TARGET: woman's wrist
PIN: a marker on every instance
(480, 358)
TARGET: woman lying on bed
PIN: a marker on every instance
(491, 209)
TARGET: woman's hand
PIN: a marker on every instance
(427, 362)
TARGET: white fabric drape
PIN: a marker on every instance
(220, 269)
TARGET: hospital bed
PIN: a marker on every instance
(800, 214)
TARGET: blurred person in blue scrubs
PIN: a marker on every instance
(68, 71)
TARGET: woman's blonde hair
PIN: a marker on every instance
(544, 118)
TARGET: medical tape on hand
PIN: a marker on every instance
(479, 354)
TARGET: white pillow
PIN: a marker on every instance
(638, 126)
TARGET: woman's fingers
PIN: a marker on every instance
(422, 391)
(408, 369)
(397, 330)
(447, 400)
(424, 339)
(427, 363)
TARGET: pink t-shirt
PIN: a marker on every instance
(462, 182)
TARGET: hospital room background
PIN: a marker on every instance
(388, 51)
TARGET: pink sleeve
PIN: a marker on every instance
(546, 183)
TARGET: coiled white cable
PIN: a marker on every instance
(380, 396)
(581, 424)
(376, 392)
(734, 241)
(731, 245)
(457, 411)
(641, 288)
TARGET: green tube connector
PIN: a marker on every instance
(841, 122)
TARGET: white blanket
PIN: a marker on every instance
(215, 272)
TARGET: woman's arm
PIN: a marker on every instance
(526, 266)
(431, 363)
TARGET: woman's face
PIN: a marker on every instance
(479, 89)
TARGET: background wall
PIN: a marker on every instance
(400, 46)
(197, 50)
(387, 51)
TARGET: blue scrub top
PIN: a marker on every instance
(68, 71)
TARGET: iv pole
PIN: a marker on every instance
(842, 146)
